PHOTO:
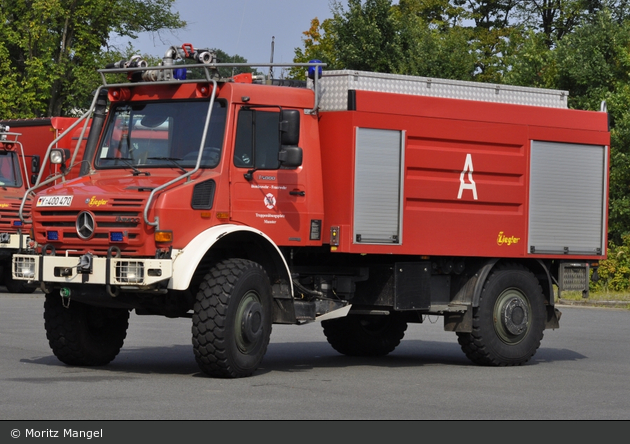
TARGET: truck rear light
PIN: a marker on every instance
(116, 236)
(52, 235)
(334, 236)
(129, 272)
(24, 267)
(163, 236)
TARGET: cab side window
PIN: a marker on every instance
(257, 139)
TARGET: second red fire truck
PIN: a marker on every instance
(23, 144)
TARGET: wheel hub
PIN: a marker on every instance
(251, 322)
(515, 318)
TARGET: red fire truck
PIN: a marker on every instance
(23, 144)
(362, 200)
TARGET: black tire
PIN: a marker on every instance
(509, 322)
(365, 335)
(12, 285)
(232, 319)
(84, 335)
(15, 286)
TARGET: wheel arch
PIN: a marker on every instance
(230, 241)
(536, 266)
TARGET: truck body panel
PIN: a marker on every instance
(466, 176)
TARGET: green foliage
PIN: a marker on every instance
(614, 272)
(368, 36)
(530, 61)
(51, 49)
(319, 43)
(432, 51)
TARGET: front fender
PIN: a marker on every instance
(186, 260)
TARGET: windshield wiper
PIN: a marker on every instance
(172, 160)
(126, 160)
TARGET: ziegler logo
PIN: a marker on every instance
(133, 220)
(94, 202)
(502, 239)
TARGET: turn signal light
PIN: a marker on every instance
(163, 236)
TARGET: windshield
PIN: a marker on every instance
(9, 170)
(161, 134)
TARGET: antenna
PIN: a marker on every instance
(271, 61)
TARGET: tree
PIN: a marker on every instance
(434, 51)
(593, 64)
(319, 44)
(378, 36)
(367, 35)
(51, 49)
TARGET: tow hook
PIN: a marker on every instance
(65, 297)
(85, 264)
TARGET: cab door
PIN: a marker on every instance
(266, 194)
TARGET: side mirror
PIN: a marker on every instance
(290, 127)
(290, 156)
(35, 163)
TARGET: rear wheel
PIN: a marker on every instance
(83, 335)
(508, 324)
(232, 319)
(364, 335)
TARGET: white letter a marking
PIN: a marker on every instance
(468, 168)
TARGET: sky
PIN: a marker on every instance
(243, 27)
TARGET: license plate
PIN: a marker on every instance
(54, 201)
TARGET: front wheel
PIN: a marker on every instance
(365, 335)
(84, 335)
(13, 285)
(508, 324)
(232, 319)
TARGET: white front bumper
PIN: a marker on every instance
(14, 241)
(123, 272)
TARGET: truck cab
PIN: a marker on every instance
(23, 145)
(15, 173)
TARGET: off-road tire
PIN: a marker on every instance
(15, 286)
(365, 335)
(84, 335)
(232, 319)
(508, 324)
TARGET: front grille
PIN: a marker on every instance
(118, 215)
(11, 213)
